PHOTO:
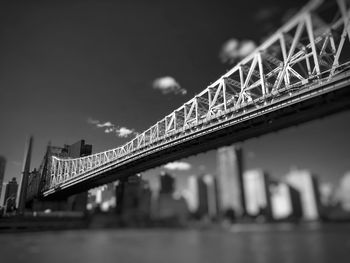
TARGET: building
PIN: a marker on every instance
(167, 206)
(327, 194)
(11, 195)
(170, 207)
(167, 183)
(2, 171)
(102, 197)
(230, 180)
(212, 195)
(191, 194)
(202, 196)
(257, 195)
(78, 202)
(133, 198)
(25, 177)
(197, 196)
(203, 202)
(33, 187)
(306, 184)
(285, 202)
(78, 149)
(344, 192)
(41, 178)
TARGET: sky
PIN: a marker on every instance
(67, 67)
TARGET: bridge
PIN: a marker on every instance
(299, 73)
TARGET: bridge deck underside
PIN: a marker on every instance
(327, 100)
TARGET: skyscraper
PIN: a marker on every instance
(25, 176)
(203, 207)
(167, 207)
(344, 192)
(192, 194)
(2, 171)
(257, 195)
(307, 185)
(197, 196)
(212, 193)
(201, 196)
(230, 180)
(133, 198)
(285, 202)
(167, 183)
(11, 195)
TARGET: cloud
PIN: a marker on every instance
(92, 121)
(106, 124)
(168, 85)
(182, 166)
(233, 50)
(121, 132)
(124, 132)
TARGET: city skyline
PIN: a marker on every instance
(320, 145)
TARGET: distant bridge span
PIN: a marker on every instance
(300, 73)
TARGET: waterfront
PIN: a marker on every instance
(239, 243)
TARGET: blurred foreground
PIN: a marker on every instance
(268, 243)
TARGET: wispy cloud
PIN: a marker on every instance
(182, 166)
(106, 124)
(233, 50)
(109, 127)
(168, 85)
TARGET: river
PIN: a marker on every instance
(314, 243)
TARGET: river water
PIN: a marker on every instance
(313, 243)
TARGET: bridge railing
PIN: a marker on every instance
(307, 49)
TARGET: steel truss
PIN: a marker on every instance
(308, 50)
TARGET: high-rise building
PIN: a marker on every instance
(133, 198)
(202, 196)
(167, 206)
(41, 178)
(212, 193)
(191, 194)
(78, 202)
(2, 171)
(285, 202)
(257, 195)
(203, 204)
(230, 180)
(33, 184)
(167, 183)
(78, 149)
(25, 177)
(102, 197)
(11, 195)
(327, 194)
(306, 184)
(344, 192)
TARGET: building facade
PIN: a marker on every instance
(11, 195)
(212, 195)
(230, 180)
(285, 202)
(2, 171)
(257, 194)
(133, 199)
(306, 184)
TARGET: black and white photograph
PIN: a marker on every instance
(194, 131)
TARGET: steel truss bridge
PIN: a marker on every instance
(299, 73)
